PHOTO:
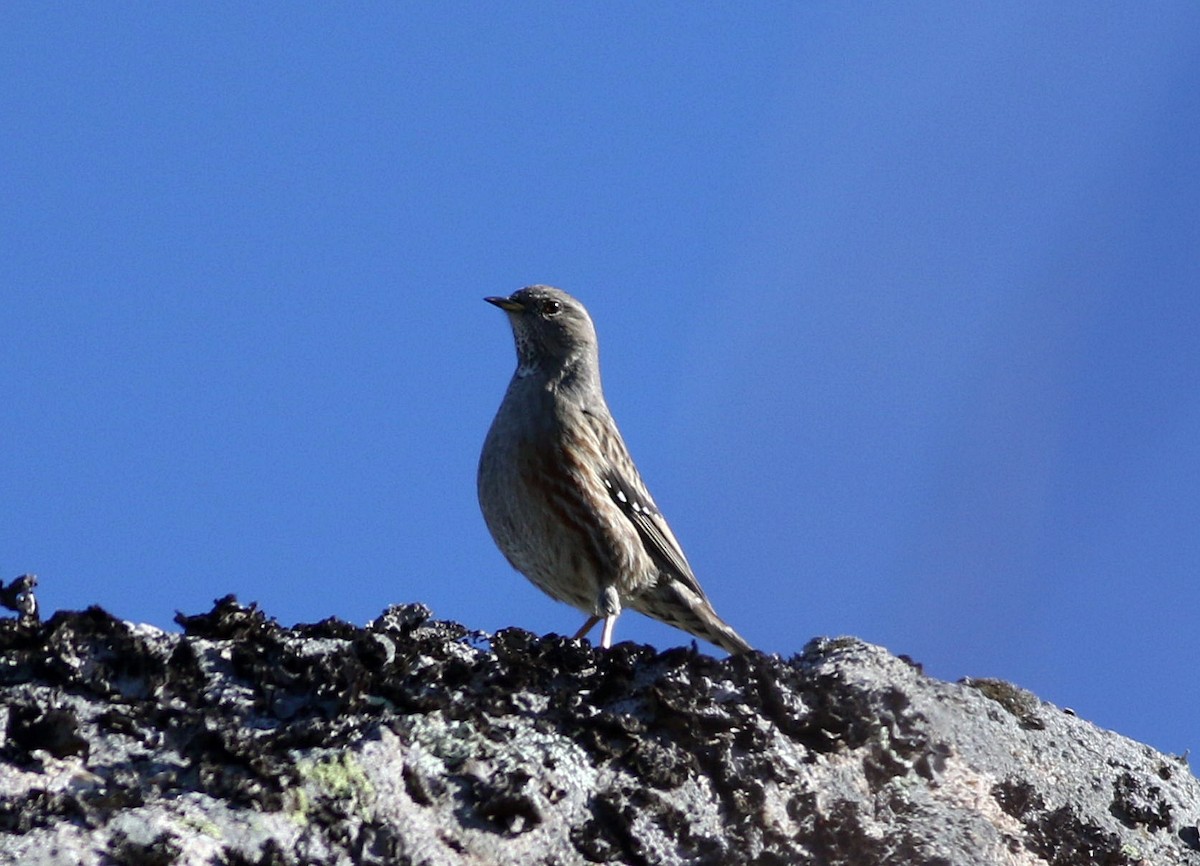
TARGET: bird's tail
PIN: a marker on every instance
(676, 604)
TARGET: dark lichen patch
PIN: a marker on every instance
(505, 801)
(1137, 802)
(379, 844)
(814, 702)
(1024, 706)
(816, 706)
(659, 762)
(270, 854)
(423, 789)
(677, 826)
(40, 808)
(840, 836)
(592, 841)
(1064, 839)
(93, 652)
(228, 620)
(163, 850)
(33, 727)
(21, 646)
(1060, 836)
(609, 836)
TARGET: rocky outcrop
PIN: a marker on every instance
(413, 741)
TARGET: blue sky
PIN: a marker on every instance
(898, 310)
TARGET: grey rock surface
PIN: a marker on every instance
(413, 741)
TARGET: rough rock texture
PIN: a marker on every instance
(415, 742)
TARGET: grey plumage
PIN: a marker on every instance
(560, 493)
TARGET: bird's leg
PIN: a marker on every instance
(609, 607)
(587, 626)
(606, 633)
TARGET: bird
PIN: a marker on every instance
(560, 494)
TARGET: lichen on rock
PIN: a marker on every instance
(414, 741)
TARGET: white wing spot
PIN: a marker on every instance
(621, 496)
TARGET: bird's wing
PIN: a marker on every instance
(629, 492)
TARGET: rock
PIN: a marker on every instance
(413, 741)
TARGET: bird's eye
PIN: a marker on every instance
(551, 308)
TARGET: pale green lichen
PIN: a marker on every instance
(340, 777)
(201, 825)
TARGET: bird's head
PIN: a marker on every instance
(552, 330)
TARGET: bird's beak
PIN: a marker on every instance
(506, 304)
